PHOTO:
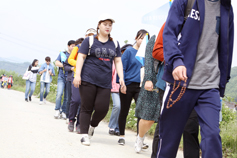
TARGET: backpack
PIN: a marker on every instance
(63, 57)
(91, 41)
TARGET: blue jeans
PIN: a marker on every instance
(113, 122)
(42, 94)
(60, 89)
(69, 93)
(30, 86)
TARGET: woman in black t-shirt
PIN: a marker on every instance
(94, 75)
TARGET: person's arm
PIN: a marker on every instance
(58, 61)
(42, 70)
(119, 68)
(172, 54)
(72, 58)
(231, 40)
(80, 61)
(157, 52)
(67, 66)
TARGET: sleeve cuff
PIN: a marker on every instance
(177, 62)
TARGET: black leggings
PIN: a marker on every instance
(133, 90)
(92, 98)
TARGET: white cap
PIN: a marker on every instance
(104, 17)
(91, 31)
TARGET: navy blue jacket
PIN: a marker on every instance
(184, 51)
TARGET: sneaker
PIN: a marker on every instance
(111, 132)
(139, 144)
(121, 141)
(71, 126)
(85, 141)
(78, 130)
(64, 116)
(57, 114)
(40, 103)
(26, 99)
(145, 146)
(67, 121)
(91, 132)
(29, 98)
(44, 101)
(117, 133)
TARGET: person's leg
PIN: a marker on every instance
(208, 108)
(173, 120)
(144, 126)
(88, 95)
(125, 100)
(47, 85)
(190, 137)
(69, 93)
(136, 91)
(113, 122)
(27, 88)
(156, 135)
(42, 84)
(74, 103)
(101, 105)
(32, 88)
(65, 98)
(59, 94)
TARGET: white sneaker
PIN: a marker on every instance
(67, 121)
(85, 140)
(91, 131)
(64, 116)
(139, 144)
(40, 103)
(44, 101)
(57, 114)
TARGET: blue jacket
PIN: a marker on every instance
(184, 51)
(44, 66)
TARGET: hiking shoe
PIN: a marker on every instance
(40, 103)
(78, 130)
(117, 133)
(57, 114)
(26, 99)
(71, 126)
(121, 141)
(29, 98)
(91, 132)
(139, 144)
(44, 101)
(145, 146)
(64, 116)
(67, 121)
(111, 132)
(85, 141)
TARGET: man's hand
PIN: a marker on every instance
(72, 68)
(148, 86)
(122, 86)
(180, 73)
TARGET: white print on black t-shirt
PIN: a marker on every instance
(104, 53)
(194, 14)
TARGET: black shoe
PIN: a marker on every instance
(78, 129)
(145, 146)
(71, 126)
(121, 141)
(26, 99)
(29, 98)
(111, 132)
(117, 133)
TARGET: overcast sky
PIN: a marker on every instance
(36, 29)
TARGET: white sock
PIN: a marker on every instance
(84, 135)
(122, 138)
(111, 129)
(92, 127)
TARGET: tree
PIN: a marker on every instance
(126, 41)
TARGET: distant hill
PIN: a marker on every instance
(231, 88)
(19, 68)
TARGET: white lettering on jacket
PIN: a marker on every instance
(194, 14)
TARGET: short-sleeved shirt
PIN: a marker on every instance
(62, 74)
(97, 68)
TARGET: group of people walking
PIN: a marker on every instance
(186, 69)
(6, 82)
